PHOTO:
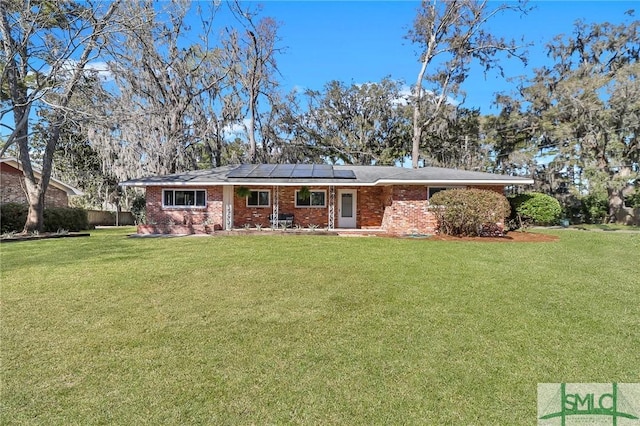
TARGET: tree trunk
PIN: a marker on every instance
(417, 125)
(418, 100)
(616, 203)
(35, 216)
(251, 129)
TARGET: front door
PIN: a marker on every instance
(347, 208)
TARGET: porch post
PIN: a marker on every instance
(227, 207)
(276, 207)
(332, 208)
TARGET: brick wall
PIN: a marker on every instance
(12, 184)
(370, 206)
(213, 212)
(495, 188)
(399, 209)
(407, 210)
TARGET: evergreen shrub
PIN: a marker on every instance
(469, 212)
(69, 218)
(12, 217)
(534, 208)
(139, 209)
(595, 208)
(633, 200)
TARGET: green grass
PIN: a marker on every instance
(310, 329)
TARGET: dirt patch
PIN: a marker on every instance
(511, 237)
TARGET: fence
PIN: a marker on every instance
(105, 218)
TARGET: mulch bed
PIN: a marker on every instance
(511, 237)
(43, 236)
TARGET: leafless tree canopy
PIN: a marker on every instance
(451, 35)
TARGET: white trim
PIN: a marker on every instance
(295, 199)
(343, 182)
(164, 206)
(454, 182)
(246, 199)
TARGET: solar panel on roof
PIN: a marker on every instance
(344, 174)
(286, 171)
(322, 171)
(241, 171)
(260, 171)
(302, 171)
(282, 171)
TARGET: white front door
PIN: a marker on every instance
(347, 208)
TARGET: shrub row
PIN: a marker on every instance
(13, 217)
(469, 212)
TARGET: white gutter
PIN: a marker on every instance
(345, 182)
(521, 181)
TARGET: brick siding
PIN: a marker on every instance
(370, 207)
(399, 209)
(407, 210)
(12, 184)
(211, 214)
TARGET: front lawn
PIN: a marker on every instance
(310, 329)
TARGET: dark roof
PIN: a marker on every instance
(337, 175)
(294, 171)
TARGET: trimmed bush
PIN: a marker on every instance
(69, 218)
(13, 217)
(139, 209)
(470, 212)
(535, 208)
(595, 208)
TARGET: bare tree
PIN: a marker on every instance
(254, 51)
(47, 48)
(451, 35)
(168, 86)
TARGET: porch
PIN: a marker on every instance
(392, 209)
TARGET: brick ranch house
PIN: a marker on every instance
(386, 199)
(12, 186)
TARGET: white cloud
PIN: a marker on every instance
(236, 129)
(100, 69)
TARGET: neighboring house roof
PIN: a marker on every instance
(70, 190)
(326, 175)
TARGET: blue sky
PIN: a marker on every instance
(363, 41)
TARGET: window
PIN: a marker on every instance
(184, 198)
(433, 190)
(313, 199)
(258, 199)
